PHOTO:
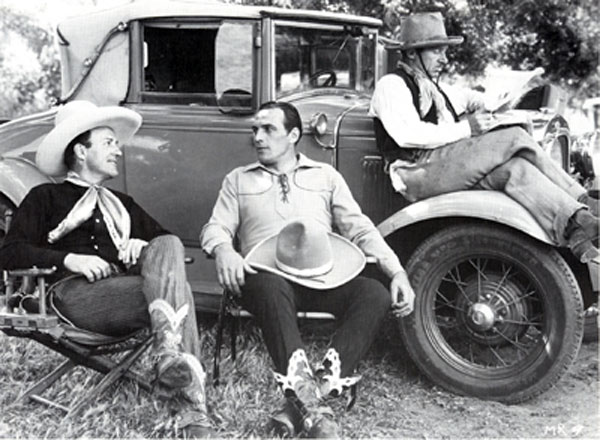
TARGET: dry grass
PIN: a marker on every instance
(240, 406)
(394, 401)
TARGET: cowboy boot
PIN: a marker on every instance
(328, 375)
(592, 203)
(193, 420)
(172, 368)
(312, 417)
(582, 235)
(286, 422)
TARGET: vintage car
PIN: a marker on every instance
(499, 309)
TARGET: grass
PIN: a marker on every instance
(240, 406)
(394, 400)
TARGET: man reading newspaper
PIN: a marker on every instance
(432, 151)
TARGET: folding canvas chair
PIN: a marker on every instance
(24, 314)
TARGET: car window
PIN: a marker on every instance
(206, 64)
(314, 57)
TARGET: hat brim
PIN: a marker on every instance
(348, 262)
(450, 41)
(49, 156)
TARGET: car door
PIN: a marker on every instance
(194, 83)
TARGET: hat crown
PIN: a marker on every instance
(73, 109)
(304, 249)
(424, 29)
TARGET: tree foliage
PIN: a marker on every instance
(29, 64)
(562, 36)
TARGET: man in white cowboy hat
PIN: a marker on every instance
(282, 209)
(432, 151)
(118, 270)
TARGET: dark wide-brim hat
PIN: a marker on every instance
(306, 253)
(77, 117)
(423, 30)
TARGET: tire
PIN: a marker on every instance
(497, 315)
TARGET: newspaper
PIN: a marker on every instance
(504, 90)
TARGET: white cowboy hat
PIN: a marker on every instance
(422, 30)
(306, 253)
(76, 117)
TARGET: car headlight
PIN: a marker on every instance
(318, 123)
(586, 151)
(556, 140)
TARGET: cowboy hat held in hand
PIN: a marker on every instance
(422, 30)
(306, 253)
(76, 117)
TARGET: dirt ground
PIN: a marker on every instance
(568, 410)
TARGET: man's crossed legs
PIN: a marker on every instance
(153, 293)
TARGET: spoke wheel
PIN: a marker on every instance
(497, 315)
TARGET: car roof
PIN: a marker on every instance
(139, 10)
(83, 36)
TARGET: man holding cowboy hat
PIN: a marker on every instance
(283, 209)
(432, 151)
(118, 270)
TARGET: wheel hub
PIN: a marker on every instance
(482, 316)
(492, 309)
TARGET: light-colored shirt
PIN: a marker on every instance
(255, 203)
(392, 103)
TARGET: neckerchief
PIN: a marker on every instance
(429, 94)
(116, 217)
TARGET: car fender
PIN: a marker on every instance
(486, 205)
(18, 176)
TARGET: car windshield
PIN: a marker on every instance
(314, 57)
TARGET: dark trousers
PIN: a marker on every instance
(359, 306)
(118, 305)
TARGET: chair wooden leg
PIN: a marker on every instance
(219, 340)
(115, 374)
(43, 384)
(234, 330)
(101, 364)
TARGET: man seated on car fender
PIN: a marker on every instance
(118, 270)
(432, 152)
(283, 209)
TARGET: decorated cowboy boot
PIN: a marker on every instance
(304, 409)
(328, 375)
(192, 419)
(173, 370)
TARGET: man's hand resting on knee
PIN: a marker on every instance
(131, 251)
(92, 267)
(231, 268)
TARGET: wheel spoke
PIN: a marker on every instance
(514, 343)
(480, 269)
(446, 302)
(456, 279)
(505, 275)
(520, 298)
(497, 356)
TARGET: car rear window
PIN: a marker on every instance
(205, 64)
